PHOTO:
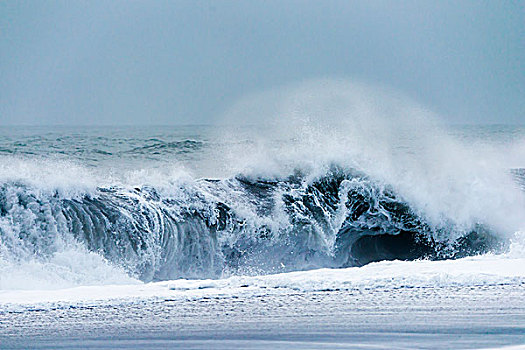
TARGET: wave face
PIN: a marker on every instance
(209, 228)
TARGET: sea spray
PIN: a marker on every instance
(335, 174)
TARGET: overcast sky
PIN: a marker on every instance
(180, 62)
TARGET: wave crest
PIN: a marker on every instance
(249, 225)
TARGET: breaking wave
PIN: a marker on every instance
(212, 228)
(334, 175)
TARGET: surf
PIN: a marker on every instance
(334, 175)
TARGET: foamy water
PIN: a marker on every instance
(328, 190)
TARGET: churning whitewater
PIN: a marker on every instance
(206, 228)
(116, 205)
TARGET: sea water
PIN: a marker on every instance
(163, 223)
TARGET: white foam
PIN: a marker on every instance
(71, 267)
(309, 126)
(67, 178)
(473, 272)
(387, 136)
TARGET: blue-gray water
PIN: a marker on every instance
(84, 206)
(189, 144)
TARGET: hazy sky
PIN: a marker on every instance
(169, 62)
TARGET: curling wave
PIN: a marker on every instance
(243, 224)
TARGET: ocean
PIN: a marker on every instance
(369, 234)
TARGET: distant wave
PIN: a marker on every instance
(249, 225)
(162, 146)
(91, 147)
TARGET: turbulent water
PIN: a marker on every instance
(82, 206)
